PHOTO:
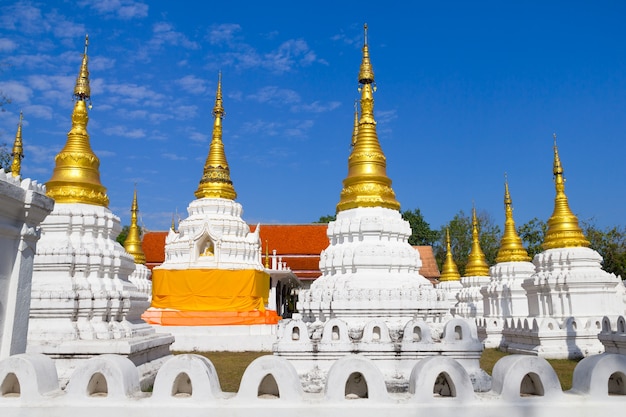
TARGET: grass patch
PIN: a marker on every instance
(564, 368)
(230, 366)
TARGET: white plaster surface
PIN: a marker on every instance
(239, 338)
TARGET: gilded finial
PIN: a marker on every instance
(367, 184)
(76, 175)
(476, 261)
(563, 229)
(132, 244)
(449, 271)
(173, 225)
(18, 150)
(215, 181)
(355, 129)
(267, 255)
(511, 248)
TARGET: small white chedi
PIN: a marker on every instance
(371, 298)
(569, 294)
(141, 275)
(83, 303)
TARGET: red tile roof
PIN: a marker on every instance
(299, 245)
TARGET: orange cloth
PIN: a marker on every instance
(208, 318)
(210, 290)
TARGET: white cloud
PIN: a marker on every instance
(104, 154)
(174, 157)
(40, 154)
(101, 63)
(198, 137)
(135, 94)
(385, 116)
(164, 34)
(223, 34)
(38, 111)
(261, 126)
(123, 131)
(192, 84)
(7, 45)
(275, 95)
(16, 91)
(316, 107)
(121, 9)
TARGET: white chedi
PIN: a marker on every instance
(213, 236)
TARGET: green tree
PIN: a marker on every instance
(532, 234)
(611, 245)
(327, 219)
(123, 234)
(5, 157)
(461, 239)
(421, 234)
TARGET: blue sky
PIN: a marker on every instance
(466, 92)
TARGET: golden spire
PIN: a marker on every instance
(267, 255)
(367, 184)
(173, 226)
(563, 230)
(132, 244)
(476, 262)
(215, 181)
(18, 150)
(449, 271)
(355, 130)
(76, 175)
(511, 248)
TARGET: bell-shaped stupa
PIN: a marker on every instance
(212, 274)
(450, 279)
(371, 291)
(83, 303)
(141, 275)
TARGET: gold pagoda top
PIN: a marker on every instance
(18, 150)
(563, 230)
(132, 244)
(215, 181)
(355, 128)
(76, 175)
(367, 184)
(511, 248)
(476, 261)
(449, 271)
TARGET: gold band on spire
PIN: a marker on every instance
(563, 230)
(132, 244)
(511, 248)
(476, 261)
(76, 175)
(449, 271)
(215, 181)
(18, 150)
(367, 184)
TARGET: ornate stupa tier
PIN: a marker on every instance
(449, 270)
(214, 236)
(367, 184)
(215, 181)
(511, 248)
(76, 175)
(563, 229)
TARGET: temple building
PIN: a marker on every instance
(213, 290)
(371, 297)
(82, 302)
(569, 294)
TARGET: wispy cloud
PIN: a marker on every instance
(386, 116)
(199, 137)
(40, 154)
(261, 126)
(275, 95)
(123, 131)
(173, 157)
(121, 9)
(164, 34)
(30, 20)
(7, 45)
(136, 94)
(16, 91)
(316, 107)
(38, 111)
(223, 34)
(104, 154)
(192, 84)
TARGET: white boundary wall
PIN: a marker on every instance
(189, 385)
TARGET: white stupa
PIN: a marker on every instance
(569, 294)
(141, 275)
(505, 298)
(212, 290)
(82, 302)
(371, 298)
(450, 279)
